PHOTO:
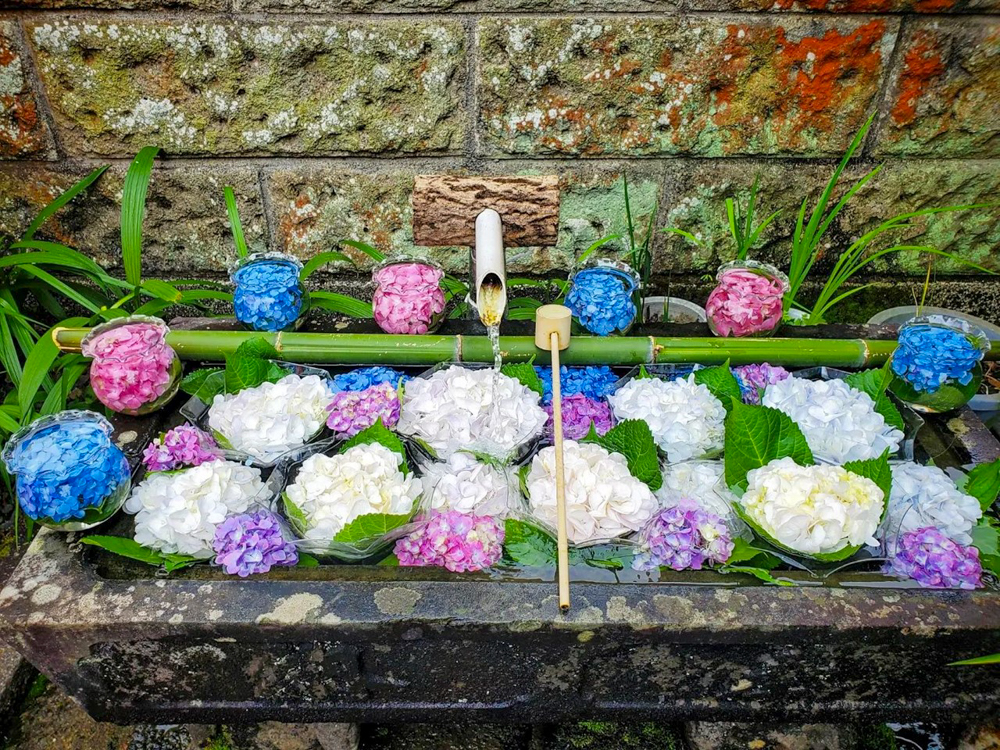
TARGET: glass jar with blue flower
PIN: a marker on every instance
(269, 294)
(70, 476)
(936, 366)
(602, 297)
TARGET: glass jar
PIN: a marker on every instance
(408, 297)
(134, 370)
(747, 301)
(269, 294)
(602, 297)
(936, 366)
(70, 476)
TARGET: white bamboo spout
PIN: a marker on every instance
(491, 274)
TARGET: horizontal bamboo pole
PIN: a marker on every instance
(356, 349)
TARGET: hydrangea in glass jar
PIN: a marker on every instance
(747, 302)
(70, 476)
(408, 297)
(269, 295)
(134, 370)
(936, 365)
(602, 297)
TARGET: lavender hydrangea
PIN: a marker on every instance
(753, 379)
(252, 543)
(362, 378)
(594, 382)
(578, 414)
(354, 411)
(683, 537)
(184, 445)
(456, 541)
(928, 356)
(933, 560)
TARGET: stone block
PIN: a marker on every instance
(478, 6)
(945, 95)
(703, 735)
(679, 85)
(223, 88)
(117, 4)
(24, 133)
(849, 6)
(472, 735)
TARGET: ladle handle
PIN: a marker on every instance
(562, 567)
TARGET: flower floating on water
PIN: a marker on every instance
(933, 560)
(408, 297)
(365, 377)
(700, 482)
(464, 484)
(354, 411)
(184, 445)
(753, 379)
(595, 381)
(683, 537)
(272, 418)
(252, 543)
(686, 420)
(268, 294)
(603, 499)
(178, 513)
(601, 299)
(925, 496)
(459, 542)
(471, 409)
(935, 352)
(579, 413)
(839, 422)
(332, 491)
(747, 300)
(813, 509)
(132, 367)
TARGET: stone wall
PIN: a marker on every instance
(319, 113)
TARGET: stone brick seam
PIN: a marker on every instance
(29, 66)
(473, 141)
(270, 217)
(887, 91)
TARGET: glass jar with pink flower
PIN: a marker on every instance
(747, 301)
(408, 297)
(134, 370)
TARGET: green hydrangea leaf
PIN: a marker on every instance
(379, 433)
(764, 574)
(874, 383)
(986, 537)
(131, 549)
(721, 382)
(296, 517)
(251, 364)
(634, 440)
(204, 384)
(389, 562)
(757, 435)
(526, 544)
(606, 557)
(371, 526)
(877, 470)
(307, 561)
(525, 373)
(643, 373)
(983, 483)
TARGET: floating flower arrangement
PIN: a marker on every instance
(934, 560)
(601, 297)
(700, 482)
(468, 485)
(459, 542)
(925, 496)
(185, 445)
(408, 297)
(754, 379)
(748, 301)
(580, 414)
(269, 294)
(354, 411)
(683, 536)
(596, 382)
(251, 543)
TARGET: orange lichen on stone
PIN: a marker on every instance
(933, 6)
(921, 65)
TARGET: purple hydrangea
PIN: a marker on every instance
(456, 541)
(354, 411)
(252, 543)
(683, 537)
(933, 560)
(365, 377)
(182, 446)
(753, 379)
(579, 413)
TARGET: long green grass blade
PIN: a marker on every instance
(991, 659)
(133, 210)
(8, 352)
(594, 247)
(8, 423)
(190, 296)
(62, 288)
(234, 221)
(60, 201)
(374, 253)
(340, 303)
(37, 365)
(320, 260)
(161, 290)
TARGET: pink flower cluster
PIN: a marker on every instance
(354, 411)
(408, 297)
(185, 445)
(580, 412)
(133, 366)
(456, 541)
(745, 303)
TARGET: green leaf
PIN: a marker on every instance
(983, 483)
(764, 574)
(61, 201)
(341, 303)
(643, 373)
(526, 544)
(133, 209)
(204, 384)
(875, 469)
(371, 526)
(295, 516)
(389, 562)
(721, 382)
(874, 383)
(162, 290)
(991, 659)
(524, 372)
(986, 537)
(595, 246)
(307, 561)
(375, 254)
(320, 260)
(250, 365)
(234, 221)
(8, 423)
(379, 433)
(757, 435)
(633, 439)
(743, 551)
(134, 551)
(38, 364)
(606, 557)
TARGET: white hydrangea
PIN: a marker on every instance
(603, 500)
(813, 509)
(471, 409)
(332, 491)
(687, 421)
(272, 418)
(926, 496)
(176, 513)
(700, 481)
(839, 422)
(467, 485)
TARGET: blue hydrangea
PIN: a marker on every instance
(268, 295)
(365, 377)
(601, 299)
(929, 356)
(594, 382)
(65, 469)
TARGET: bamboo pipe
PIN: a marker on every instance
(356, 348)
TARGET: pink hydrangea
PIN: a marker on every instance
(354, 411)
(185, 445)
(132, 366)
(456, 541)
(580, 412)
(408, 297)
(745, 303)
